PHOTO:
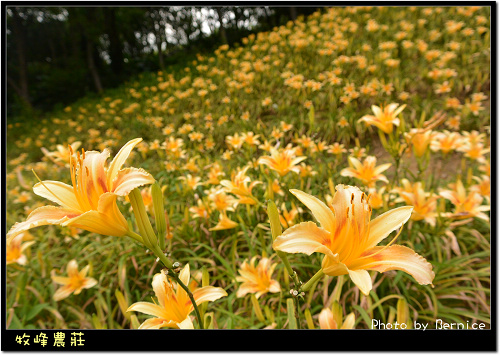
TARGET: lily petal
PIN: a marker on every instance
(381, 168)
(160, 282)
(40, 217)
(376, 110)
(332, 267)
(326, 320)
(398, 257)
(128, 179)
(89, 282)
(319, 210)
(107, 206)
(208, 293)
(57, 192)
(184, 275)
(186, 324)
(119, 160)
(96, 222)
(72, 268)
(157, 323)
(245, 289)
(384, 224)
(349, 321)
(61, 280)
(355, 163)
(361, 278)
(148, 308)
(94, 163)
(62, 293)
(305, 237)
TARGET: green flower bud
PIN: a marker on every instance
(161, 224)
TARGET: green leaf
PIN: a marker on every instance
(35, 310)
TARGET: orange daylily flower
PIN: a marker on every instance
(89, 204)
(367, 172)
(424, 203)
(384, 117)
(257, 279)
(62, 155)
(174, 306)
(74, 283)
(466, 204)
(220, 201)
(446, 142)
(201, 210)
(348, 238)
(287, 217)
(483, 186)
(327, 321)
(238, 185)
(282, 161)
(214, 173)
(376, 198)
(419, 139)
(15, 249)
(224, 223)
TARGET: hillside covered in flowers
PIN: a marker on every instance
(333, 171)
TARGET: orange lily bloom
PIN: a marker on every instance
(349, 239)
(257, 279)
(424, 202)
(483, 186)
(466, 204)
(15, 249)
(239, 186)
(446, 142)
(376, 198)
(282, 161)
(287, 217)
(385, 117)
(224, 223)
(89, 204)
(419, 139)
(367, 172)
(327, 321)
(62, 155)
(174, 306)
(74, 283)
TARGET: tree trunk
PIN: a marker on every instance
(115, 47)
(222, 29)
(92, 67)
(159, 43)
(270, 18)
(18, 34)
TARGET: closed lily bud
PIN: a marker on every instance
(403, 312)
(274, 219)
(205, 277)
(337, 313)
(161, 224)
(142, 219)
(146, 230)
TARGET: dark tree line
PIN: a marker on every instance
(57, 54)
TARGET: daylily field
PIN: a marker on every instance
(326, 174)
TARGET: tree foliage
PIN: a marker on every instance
(56, 55)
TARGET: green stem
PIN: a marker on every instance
(289, 268)
(311, 282)
(135, 236)
(173, 275)
(297, 313)
(397, 159)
